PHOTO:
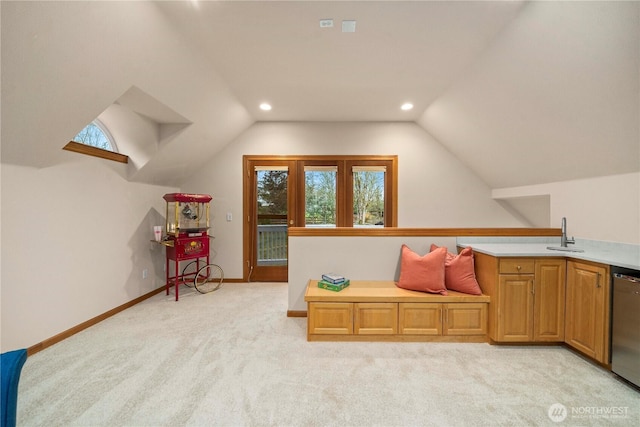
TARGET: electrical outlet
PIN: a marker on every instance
(145, 273)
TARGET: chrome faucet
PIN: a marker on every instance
(563, 239)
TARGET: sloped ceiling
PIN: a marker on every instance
(66, 63)
(556, 97)
(523, 93)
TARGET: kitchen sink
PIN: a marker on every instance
(565, 249)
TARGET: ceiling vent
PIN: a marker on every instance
(348, 26)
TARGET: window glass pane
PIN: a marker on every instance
(94, 136)
(368, 197)
(272, 216)
(320, 196)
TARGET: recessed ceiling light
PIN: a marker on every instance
(406, 106)
(265, 107)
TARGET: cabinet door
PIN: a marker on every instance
(330, 318)
(420, 318)
(587, 326)
(465, 319)
(515, 313)
(549, 300)
(373, 318)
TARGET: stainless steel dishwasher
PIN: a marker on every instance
(625, 330)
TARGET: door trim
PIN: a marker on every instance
(249, 195)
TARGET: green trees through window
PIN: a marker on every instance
(368, 197)
(320, 196)
(272, 193)
(322, 191)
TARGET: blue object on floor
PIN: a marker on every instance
(11, 362)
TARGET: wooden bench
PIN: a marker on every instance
(381, 311)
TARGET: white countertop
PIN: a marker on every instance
(621, 255)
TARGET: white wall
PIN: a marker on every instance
(358, 258)
(605, 208)
(434, 188)
(75, 239)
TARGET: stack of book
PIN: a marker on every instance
(333, 282)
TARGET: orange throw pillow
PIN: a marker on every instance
(459, 274)
(423, 273)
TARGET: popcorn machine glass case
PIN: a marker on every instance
(187, 214)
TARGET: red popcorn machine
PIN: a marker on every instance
(187, 241)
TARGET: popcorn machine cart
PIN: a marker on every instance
(187, 241)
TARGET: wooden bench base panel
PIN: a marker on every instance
(398, 338)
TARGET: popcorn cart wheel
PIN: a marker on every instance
(203, 277)
(190, 270)
(209, 278)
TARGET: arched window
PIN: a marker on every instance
(96, 135)
(95, 140)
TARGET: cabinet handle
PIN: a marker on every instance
(598, 281)
(533, 287)
(518, 268)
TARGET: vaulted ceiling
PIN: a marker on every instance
(522, 92)
(400, 52)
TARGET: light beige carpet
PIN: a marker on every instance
(233, 358)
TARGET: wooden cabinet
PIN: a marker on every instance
(381, 311)
(527, 297)
(515, 307)
(587, 309)
(435, 319)
(549, 300)
(447, 319)
(334, 318)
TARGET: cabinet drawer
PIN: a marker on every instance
(330, 318)
(420, 318)
(465, 319)
(517, 266)
(375, 318)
